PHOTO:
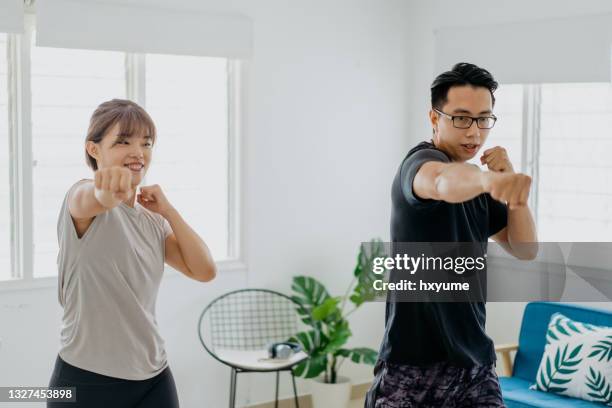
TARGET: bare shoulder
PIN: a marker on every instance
(78, 183)
(71, 197)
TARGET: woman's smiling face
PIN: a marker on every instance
(120, 148)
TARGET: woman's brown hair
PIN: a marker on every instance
(132, 119)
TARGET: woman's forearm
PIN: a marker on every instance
(193, 249)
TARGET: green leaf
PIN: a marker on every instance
(339, 334)
(561, 381)
(364, 272)
(329, 308)
(599, 386)
(572, 326)
(602, 348)
(552, 334)
(542, 385)
(311, 367)
(309, 292)
(562, 329)
(575, 352)
(316, 363)
(560, 367)
(359, 355)
(306, 339)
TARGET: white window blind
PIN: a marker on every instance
(138, 28)
(11, 16)
(575, 49)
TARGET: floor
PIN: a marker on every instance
(357, 403)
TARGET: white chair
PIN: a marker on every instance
(237, 327)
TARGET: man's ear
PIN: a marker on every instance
(433, 118)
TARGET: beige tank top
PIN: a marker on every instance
(108, 282)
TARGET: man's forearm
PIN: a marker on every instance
(459, 182)
(522, 237)
(521, 227)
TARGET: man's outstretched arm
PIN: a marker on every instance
(459, 182)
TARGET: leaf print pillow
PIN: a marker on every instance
(577, 360)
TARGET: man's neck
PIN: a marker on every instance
(433, 142)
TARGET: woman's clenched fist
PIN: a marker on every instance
(113, 185)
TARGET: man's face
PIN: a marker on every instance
(462, 144)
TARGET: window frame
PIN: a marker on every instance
(530, 142)
(21, 153)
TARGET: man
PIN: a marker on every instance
(438, 354)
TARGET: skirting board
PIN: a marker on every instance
(357, 391)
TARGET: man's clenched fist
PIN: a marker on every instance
(510, 188)
(496, 159)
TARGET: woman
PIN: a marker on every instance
(113, 245)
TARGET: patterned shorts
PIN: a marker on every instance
(437, 385)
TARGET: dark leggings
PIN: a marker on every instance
(100, 391)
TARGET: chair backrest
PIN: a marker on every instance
(248, 319)
(532, 338)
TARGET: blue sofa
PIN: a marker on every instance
(515, 386)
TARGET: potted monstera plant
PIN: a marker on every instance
(329, 331)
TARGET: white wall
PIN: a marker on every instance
(325, 127)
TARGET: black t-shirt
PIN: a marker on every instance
(428, 332)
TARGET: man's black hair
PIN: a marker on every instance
(462, 73)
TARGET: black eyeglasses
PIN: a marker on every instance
(465, 122)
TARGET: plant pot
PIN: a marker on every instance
(326, 395)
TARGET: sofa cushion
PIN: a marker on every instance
(577, 360)
(532, 338)
(517, 394)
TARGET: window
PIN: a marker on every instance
(575, 170)
(557, 133)
(508, 128)
(5, 204)
(190, 100)
(67, 85)
(189, 160)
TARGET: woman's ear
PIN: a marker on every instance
(92, 149)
